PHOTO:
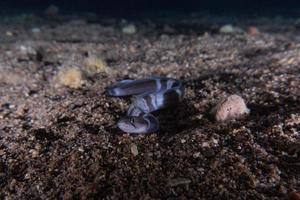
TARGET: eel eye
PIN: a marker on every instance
(132, 121)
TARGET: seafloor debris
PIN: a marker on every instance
(94, 65)
(233, 107)
(71, 77)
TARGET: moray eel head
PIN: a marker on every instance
(133, 124)
(138, 124)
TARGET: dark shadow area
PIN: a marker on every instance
(178, 119)
(134, 8)
(283, 106)
(43, 134)
(4, 173)
(185, 117)
(265, 116)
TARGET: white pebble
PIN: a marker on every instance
(129, 29)
(80, 149)
(9, 33)
(35, 30)
(228, 28)
(196, 155)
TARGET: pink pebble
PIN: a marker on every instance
(232, 107)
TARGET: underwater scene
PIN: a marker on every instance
(149, 99)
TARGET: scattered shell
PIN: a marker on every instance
(179, 181)
(233, 107)
(71, 77)
(129, 29)
(134, 149)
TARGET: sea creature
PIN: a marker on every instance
(149, 95)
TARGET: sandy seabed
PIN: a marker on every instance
(59, 141)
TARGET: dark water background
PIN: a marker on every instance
(134, 8)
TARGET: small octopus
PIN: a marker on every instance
(149, 95)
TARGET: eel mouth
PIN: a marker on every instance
(133, 124)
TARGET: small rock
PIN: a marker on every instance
(9, 33)
(282, 189)
(134, 149)
(35, 30)
(228, 28)
(233, 107)
(196, 155)
(253, 31)
(27, 50)
(27, 176)
(34, 153)
(129, 29)
(205, 144)
(215, 141)
(12, 184)
(11, 106)
(38, 147)
(295, 195)
(80, 149)
(2, 152)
